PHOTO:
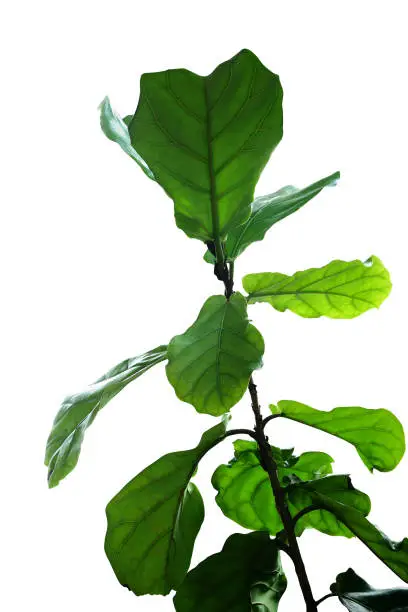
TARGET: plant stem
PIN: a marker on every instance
(246, 432)
(226, 274)
(269, 465)
(270, 418)
(324, 598)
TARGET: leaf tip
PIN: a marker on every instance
(104, 104)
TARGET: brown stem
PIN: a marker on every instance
(324, 598)
(269, 465)
(225, 273)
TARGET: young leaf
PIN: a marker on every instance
(207, 139)
(211, 363)
(393, 554)
(116, 129)
(154, 520)
(245, 576)
(358, 596)
(244, 490)
(268, 210)
(336, 488)
(78, 411)
(340, 290)
(377, 434)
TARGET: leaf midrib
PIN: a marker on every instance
(257, 294)
(211, 176)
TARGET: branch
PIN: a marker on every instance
(319, 601)
(305, 511)
(245, 432)
(269, 418)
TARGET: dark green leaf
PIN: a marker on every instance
(246, 576)
(154, 520)
(116, 129)
(393, 554)
(244, 489)
(358, 596)
(211, 363)
(78, 412)
(336, 488)
(377, 434)
(340, 290)
(207, 139)
(268, 210)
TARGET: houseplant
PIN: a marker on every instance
(205, 141)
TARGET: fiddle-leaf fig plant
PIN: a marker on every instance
(205, 140)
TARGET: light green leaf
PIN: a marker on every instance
(377, 434)
(116, 129)
(358, 596)
(79, 410)
(340, 290)
(244, 490)
(211, 363)
(246, 576)
(154, 520)
(268, 210)
(393, 554)
(337, 488)
(207, 139)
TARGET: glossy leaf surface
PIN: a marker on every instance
(154, 520)
(268, 210)
(377, 434)
(358, 596)
(211, 363)
(116, 129)
(244, 490)
(79, 410)
(336, 488)
(340, 290)
(393, 554)
(246, 576)
(207, 139)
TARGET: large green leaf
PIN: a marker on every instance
(393, 554)
(337, 488)
(116, 129)
(340, 290)
(154, 520)
(377, 434)
(244, 490)
(78, 411)
(246, 576)
(358, 596)
(211, 363)
(207, 139)
(268, 210)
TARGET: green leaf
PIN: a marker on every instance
(393, 554)
(154, 520)
(78, 411)
(244, 490)
(377, 434)
(211, 363)
(268, 210)
(337, 488)
(116, 129)
(340, 290)
(358, 596)
(246, 576)
(207, 139)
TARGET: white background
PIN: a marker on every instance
(95, 270)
